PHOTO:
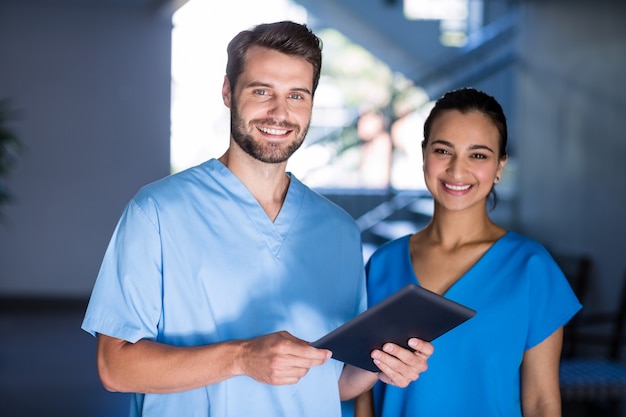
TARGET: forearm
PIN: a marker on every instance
(546, 409)
(541, 395)
(354, 381)
(151, 367)
(364, 405)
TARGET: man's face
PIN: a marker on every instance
(271, 105)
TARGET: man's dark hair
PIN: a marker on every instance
(286, 37)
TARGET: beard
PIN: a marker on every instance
(272, 153)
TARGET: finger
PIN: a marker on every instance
(389, 375)
(405, 361)
(287, 375)
(425, 349)
(313, 355)
(300, 348)
(305, 356)
(393, 370)
(307, 361)
(399, 366)
(288, 369)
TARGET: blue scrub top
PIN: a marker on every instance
(520, 296)
(195, 260)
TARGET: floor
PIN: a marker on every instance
(47, 367)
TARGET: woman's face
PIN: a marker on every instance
(461, 162)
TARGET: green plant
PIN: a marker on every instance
(10, 146)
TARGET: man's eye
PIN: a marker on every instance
(441, 151)
(296, 96)
(260, 92)
(479, 156)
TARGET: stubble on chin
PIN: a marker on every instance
(268, 152)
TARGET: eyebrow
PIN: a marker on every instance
(472, 147)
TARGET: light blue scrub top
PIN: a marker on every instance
(195, 260)
(520, 296)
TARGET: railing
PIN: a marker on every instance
(489, 50)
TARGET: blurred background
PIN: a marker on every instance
(99, 97)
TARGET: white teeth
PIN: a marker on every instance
(457, 187)
(272, 131)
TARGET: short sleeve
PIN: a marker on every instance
(126, 299)
(552, 300)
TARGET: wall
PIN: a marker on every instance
(92, 87)
(570, 134)
(94, 108)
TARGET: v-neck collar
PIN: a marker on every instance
(470, 272)
(274, 232)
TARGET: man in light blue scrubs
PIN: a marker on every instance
(216, 278)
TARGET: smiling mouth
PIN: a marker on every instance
(456, 187)
(275, 132)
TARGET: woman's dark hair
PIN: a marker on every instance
(466, 100)
(287, 37)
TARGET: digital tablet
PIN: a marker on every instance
(412, 311)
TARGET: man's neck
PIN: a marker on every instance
(268, 183)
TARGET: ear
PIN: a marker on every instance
(501, 165)
(226, 92)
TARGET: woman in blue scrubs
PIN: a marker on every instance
(505, 360)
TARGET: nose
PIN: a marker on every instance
(456, 167)
(278, 108)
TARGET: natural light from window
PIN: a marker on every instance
(453, 15)
(201, 32)
(356, 138)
